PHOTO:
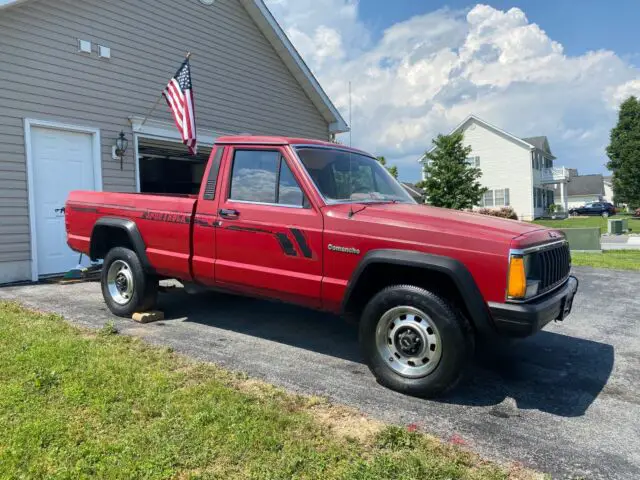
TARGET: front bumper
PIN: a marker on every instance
(524, 319)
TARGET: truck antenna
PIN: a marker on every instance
(350, 124)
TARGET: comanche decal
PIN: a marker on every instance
(351, 250)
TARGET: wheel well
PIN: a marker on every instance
(106, 237)
(378, 276)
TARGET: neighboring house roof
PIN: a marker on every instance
(586, 185)
(414, 191)
(541, 143)
(270, 28)
(524, 143)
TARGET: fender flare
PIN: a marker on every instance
(131, 230)
(454, 269)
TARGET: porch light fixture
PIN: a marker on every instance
(120, 148)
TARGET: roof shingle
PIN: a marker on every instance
(586, 185)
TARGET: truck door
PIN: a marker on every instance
(205, 220)
(268, 236)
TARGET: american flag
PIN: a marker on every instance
(179, 96)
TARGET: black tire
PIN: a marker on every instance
(455, 332)
(144, 292)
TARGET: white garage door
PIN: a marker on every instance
(61, 161)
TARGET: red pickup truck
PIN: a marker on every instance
(327, 227)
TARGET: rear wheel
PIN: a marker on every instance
(126, 287)
(605, 214)
(415, 341)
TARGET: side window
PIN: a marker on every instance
(254, 176)
(263, 176)
(289, 192)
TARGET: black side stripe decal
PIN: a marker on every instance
(302, 243)
(286, 245)
(247, 229)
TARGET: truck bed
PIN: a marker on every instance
(164, 221)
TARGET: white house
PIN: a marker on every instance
(519, 172)
(585, 189)
(608, 189)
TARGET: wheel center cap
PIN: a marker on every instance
(121, 282)
(409, 342)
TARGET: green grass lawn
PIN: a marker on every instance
(76, 404)
(586, 222)
(616, 259)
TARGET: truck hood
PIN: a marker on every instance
(435, 219)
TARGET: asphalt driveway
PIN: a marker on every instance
(566, 401)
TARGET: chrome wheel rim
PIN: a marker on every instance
(409, 342)
(120, 282)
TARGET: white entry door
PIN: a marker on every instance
(62, 161)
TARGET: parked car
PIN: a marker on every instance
(603, 209)
(327, 227)
(637, 212)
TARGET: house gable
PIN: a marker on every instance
(472, 119)
(272, 31)
(242, 82)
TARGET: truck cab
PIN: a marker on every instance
(327, 227)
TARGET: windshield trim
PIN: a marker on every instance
(332, 201)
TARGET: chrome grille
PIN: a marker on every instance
(553, 266)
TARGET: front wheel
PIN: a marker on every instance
(126, 287)
(605, 214)
(414, 341)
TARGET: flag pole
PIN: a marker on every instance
(155, 105)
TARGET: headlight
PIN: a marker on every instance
(520, 285)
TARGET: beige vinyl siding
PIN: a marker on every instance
(240, 84)
(504, 164)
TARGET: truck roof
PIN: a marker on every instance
(275, 140)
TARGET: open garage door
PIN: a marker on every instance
(167, 167)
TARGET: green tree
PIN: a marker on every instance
(450, 181)
(624, 153)
(392, 170)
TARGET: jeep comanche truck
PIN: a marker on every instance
(326, 226)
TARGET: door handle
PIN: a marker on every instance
(60, 210)
(229, 214)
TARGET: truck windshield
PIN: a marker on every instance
(343, 176)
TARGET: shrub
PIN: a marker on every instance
(502, 212)
(637, 214)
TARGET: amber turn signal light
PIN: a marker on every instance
(517, 287)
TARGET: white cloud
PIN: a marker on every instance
(424, 75)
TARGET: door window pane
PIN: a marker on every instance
(254, 176)
(499, 198)
(288, 188)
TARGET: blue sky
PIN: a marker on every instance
(557, 68)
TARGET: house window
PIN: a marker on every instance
(474, 161)
(488, 199)
(550, 197)
(542, 197)
(496, 198)
(536, 161)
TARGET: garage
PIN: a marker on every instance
(167, 167)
